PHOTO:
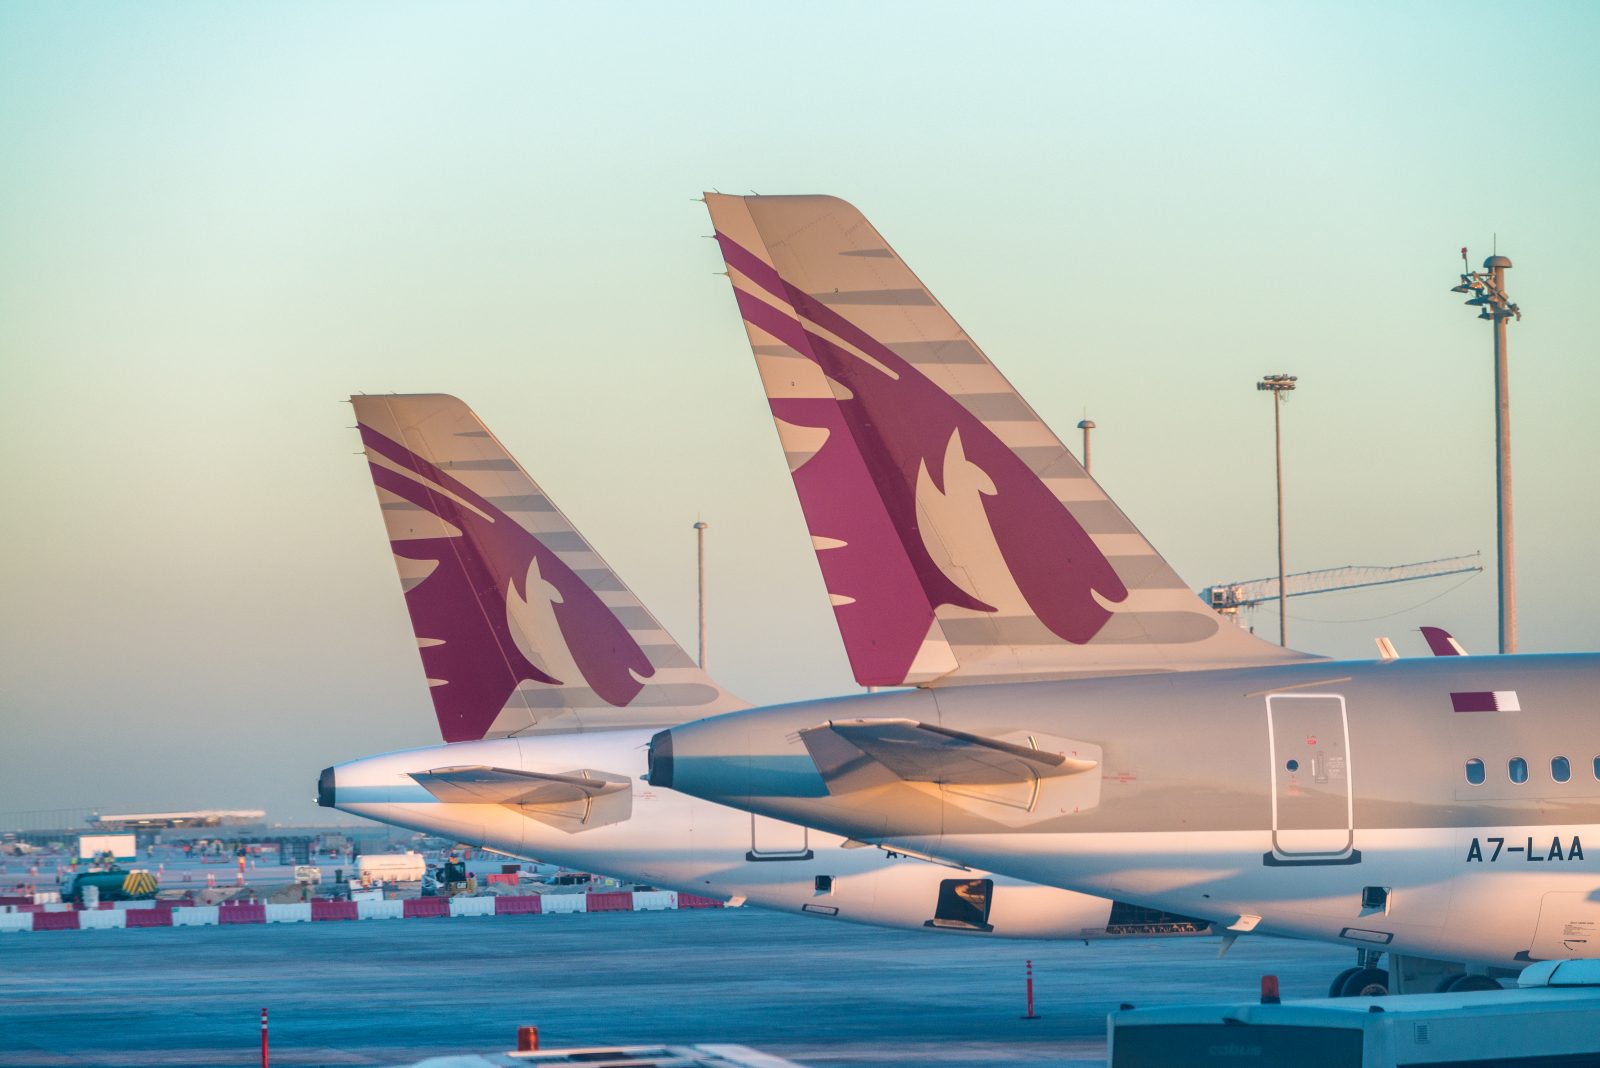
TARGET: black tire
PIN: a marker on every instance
(1465, 984)
(1366, 983)
(1336, 988)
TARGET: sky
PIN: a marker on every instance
(217, 221)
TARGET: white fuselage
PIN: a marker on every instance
(685, 844)
(1445, 808)
(1525, 910)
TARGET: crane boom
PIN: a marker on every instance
(1229, 597)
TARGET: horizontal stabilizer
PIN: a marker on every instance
(479, 785)
(921, 752)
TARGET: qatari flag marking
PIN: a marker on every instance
(1486, 701)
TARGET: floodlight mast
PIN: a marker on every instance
(700, 526)
(1488, 289)
(1278, 385)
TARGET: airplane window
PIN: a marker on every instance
(1475, 771)
(1519, 770)
(1597, 767)
(1560, 770)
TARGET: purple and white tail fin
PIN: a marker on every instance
(521, 626)
(959, 539)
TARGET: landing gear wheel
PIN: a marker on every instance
(1366, 983)
(1464, 984)
(1336, 988)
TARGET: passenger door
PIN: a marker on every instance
(1313, 806)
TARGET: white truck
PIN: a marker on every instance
(373, 868)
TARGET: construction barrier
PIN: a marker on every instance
(618, 901)
(518, 905)
(101, 919)
(334, 910)
(195, 916)
(380, 910)
(148, 917)
(420, 907)
(550, 904)
(472, 906)
(30, 898)
(44, 917)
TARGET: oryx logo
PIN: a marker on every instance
(496, 607)
(978, 527)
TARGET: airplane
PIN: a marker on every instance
(548, 677)
(1078, 718)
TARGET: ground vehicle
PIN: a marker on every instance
(390, 868)
(111, 884)
(1548, 1019)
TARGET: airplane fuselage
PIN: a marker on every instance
(1446, 808)
(669, 839)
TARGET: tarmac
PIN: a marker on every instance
(816, 991)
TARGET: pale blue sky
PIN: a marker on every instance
(217, 220)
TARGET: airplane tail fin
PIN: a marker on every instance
(521, 626)
(959, 540)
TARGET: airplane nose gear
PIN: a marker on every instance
(1366, 983)
(1365, 980)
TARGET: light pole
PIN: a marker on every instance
(1086, 425)
(700, 554)
(1488, 289)
(1278, 385)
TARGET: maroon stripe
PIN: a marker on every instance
(1473, 701)
(758, 271)
(751, 266)
(398, 454)
(901, 421)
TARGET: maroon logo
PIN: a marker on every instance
(461, 602)
(898, 423)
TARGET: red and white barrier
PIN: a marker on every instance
(125, 914)
(554, 903)
(16, 921)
